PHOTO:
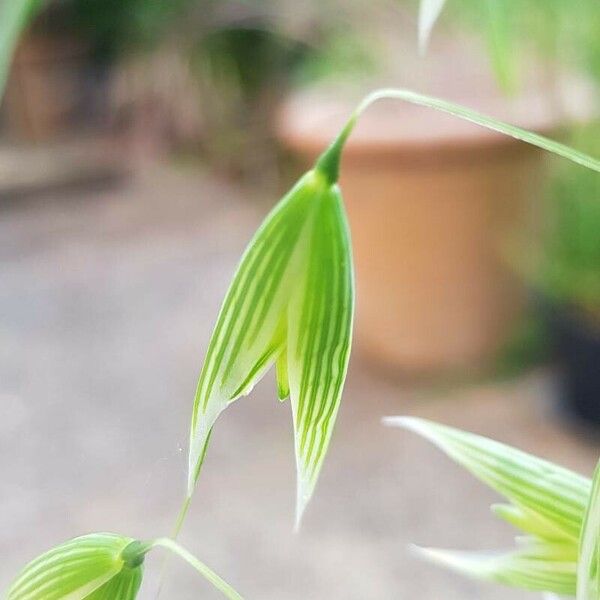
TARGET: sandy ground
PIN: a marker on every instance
(107, 300)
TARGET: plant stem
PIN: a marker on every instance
(205, 571)
(183, 512)
(329, 162)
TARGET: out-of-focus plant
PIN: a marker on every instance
(547, 503)
(559, 32)
(14, 16)
(246, 57)
(113, 27)
(237, 59)
(569, 269)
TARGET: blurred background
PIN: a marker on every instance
(141, 144)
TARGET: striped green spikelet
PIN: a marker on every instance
(90, 567)
(290, 304)
(588, 569)
(546, 502)
(100, 566)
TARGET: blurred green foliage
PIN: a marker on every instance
(14, 17)
(113, 26)
(559, 31)
(563, 35)
(570, 266)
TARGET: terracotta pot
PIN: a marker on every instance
(430, 200)
(45, 87)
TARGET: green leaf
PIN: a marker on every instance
(429, 13)
(80, 568)
(588, 572)
(14, 16)
(290, 302)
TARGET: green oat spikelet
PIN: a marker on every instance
(291, 302)
(87, 567)
(99, 566)
(546, 502)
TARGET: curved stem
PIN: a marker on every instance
(205, 571)
(328, 162)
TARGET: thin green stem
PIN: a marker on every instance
(329, 162)
(183, 512)
(205, 571)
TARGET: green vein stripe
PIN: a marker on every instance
(263, 362)
(323, 260)
(342, 348)
(321, 391)
(552, 507)
(252, 257)
(122, 587)
(254, 268)
(315, 302)
(324, 334)
(61, 566)
(71, 565)
(258, 299)
(228, 318)
(327, 424)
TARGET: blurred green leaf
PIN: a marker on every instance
(501, 42)
(568, 269)
(14, 16)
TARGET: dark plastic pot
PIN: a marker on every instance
(577, 347)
